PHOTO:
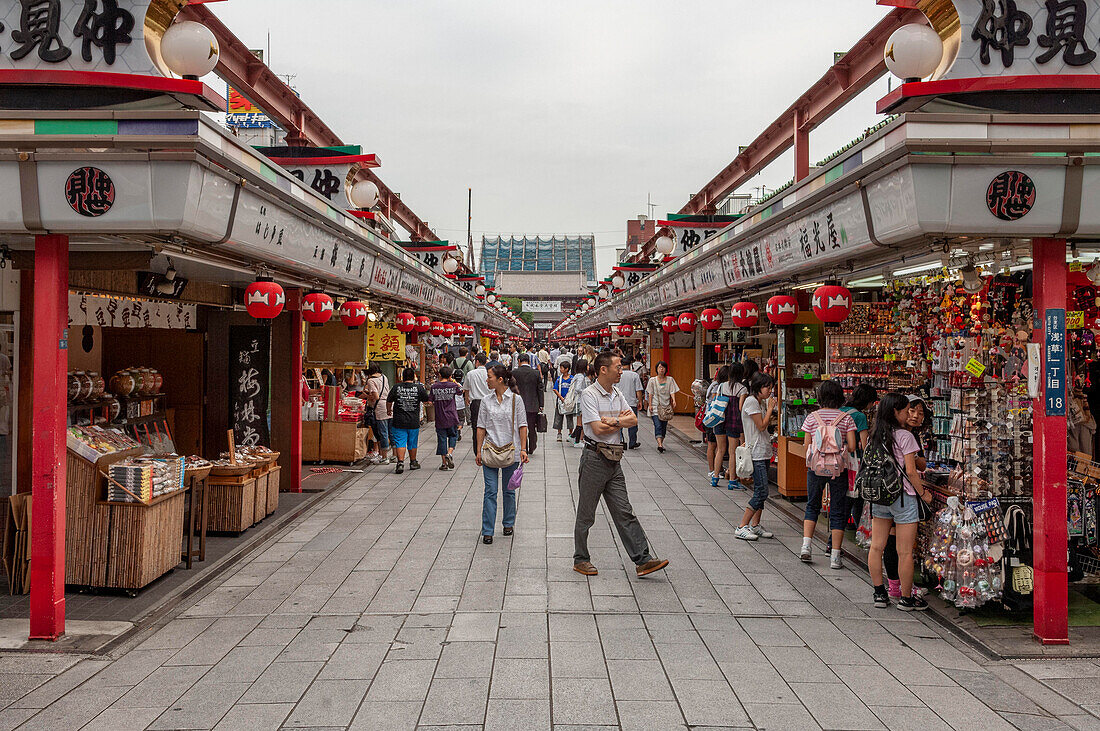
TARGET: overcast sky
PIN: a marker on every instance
(562, 116)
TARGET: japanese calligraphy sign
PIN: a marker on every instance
(385, 342)
(1027, 37)
(430, 255)
(385, 278)
(90, 192)
(329, 181)
(1011, 195)
(77, 35)
(129, 313)
(690, 235)
(1055, 362)
(249, 379)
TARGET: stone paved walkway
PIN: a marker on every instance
(383, 610)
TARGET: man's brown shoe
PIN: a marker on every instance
(586, 568)
(649, 567)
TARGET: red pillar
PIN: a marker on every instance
(1051, 540)
(801, 147)
(294, 305)
(51, 319)
(666, 353)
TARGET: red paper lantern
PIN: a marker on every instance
(423, 323)
(437, 328)
(264, 299)
(832, 304)
(711, 318)
(448, 331)
(687, 322)
(744, 315)
(317, 308)
(353, 313)
(406, 322)
(782, 310)
(625, 331)
(605, 332)
(669, 324)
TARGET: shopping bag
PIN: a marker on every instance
(863, 532)
(516, 479)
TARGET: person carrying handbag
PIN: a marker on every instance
(660, 395)
(500, 447)
(755, 417)
(604, 415)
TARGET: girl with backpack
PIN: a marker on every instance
(830, 437)
(890, 469)
(756, 416)
(561, 391)
(710, 435)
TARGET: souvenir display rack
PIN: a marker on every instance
(1083, 507)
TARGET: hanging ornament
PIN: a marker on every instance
(687, 322)
(437, 328)
(625, 331)
(832, 304)
(448, 331)
(406, 322)
(317, 308)
(711, 318)
(744, 315)
(353, 313)
(669, 324)
(782, 310)
(423, 324)
(264, 299)
(605, 332)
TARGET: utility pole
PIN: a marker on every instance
(469, 224)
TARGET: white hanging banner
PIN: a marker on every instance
(86, 309)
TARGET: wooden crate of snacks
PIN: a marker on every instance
(232, 504)
(144, 540)
(87, 519)
(273, 489)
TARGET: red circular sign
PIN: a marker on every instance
(1011, 195)
(90, 192)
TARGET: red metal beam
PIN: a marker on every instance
(845, 80)
(256, 82)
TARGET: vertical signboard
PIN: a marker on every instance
(1055, 372)
(249, 382)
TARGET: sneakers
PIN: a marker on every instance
(414, 465)
(400, 468)
(713, 480)
(735, 485)
(763, 533)
(805, 556)
(882, 599)
(894, 586)
(835, 562)
(392, 459)
(746, 533)
(450, 461)
(559, 437)
(911, 604)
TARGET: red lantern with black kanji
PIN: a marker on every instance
(264, 299)
(406, 322)
(448, 331)
(669, 324)
(782, 310)
(353, 313)
(423, 323)
(687, 322)
(317, 308)
(437, 328)
(625, 331)
(744, 315)
(711, 318)
(832, 304)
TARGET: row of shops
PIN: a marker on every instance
(947, 255)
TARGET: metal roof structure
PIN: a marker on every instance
(538, 254)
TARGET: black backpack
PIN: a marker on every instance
(460, 370)
(879, 480)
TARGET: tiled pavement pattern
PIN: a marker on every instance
(382, 610)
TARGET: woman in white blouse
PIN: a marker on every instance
(503, 420)
(660, 397)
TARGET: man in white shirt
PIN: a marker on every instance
(475, 387)
(604, 413)
(631, 387)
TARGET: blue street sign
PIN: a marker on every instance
(1055, 351)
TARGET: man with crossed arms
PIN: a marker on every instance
(605, 413)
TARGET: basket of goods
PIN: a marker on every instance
(263, 455)
(140, 479)
(225, 468)
(195, 468)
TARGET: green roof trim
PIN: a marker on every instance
(76, 127)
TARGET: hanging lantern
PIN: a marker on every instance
(264, 299)
(406, 322)
(317, 308)
(437, 328)
(605, 332)
(687, 322)
(423, 323)
(711, 318)
(744, 315)
(832, 304)
(448, 331)
(669, 324)
(782, 310)
(353, 313)
(625, 331)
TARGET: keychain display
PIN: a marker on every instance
(959, 554)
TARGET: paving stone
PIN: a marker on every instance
(639, 680)
(162, 687)
(402, 680)
(282, 682)
(517, 715)
(123, 719)
(474, 627)
(646, 715)
(709, 703)
(780, 716)
(583, 701)
(255, 717)
(577, 660)
(455, 701)
(389, 715)
(201, 707)
(328, 703)
(835, 706)
(354, 662)
(466, 660)
(520, 679)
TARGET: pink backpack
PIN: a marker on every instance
(827, 456)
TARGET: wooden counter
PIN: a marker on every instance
(791, 468)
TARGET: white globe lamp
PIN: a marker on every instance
(604, 293)
(190, 49)
(450, 265)
(913, 52)
(364, 194)
(491, 299)
(617, 281)
(591, 302)
(479, 290)
(665, 245)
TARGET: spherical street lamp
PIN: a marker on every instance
(479, 290)
(491, 299)
(913, 52)
(604, 293)
(591, 302)
(364, 194)
(190, 49)
(450, 265)
(617, 281)
(665, 245)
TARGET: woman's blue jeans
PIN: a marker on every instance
(659, 427)
(494, 484)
